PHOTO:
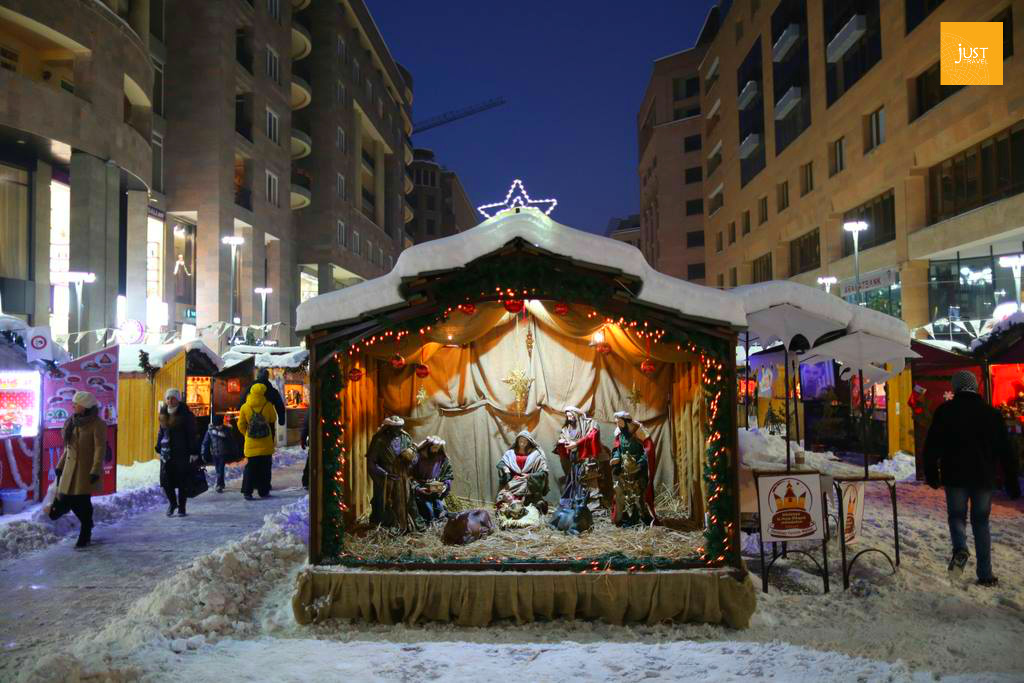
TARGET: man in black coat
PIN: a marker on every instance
(177, 443)
(272, 395)
(966, 443)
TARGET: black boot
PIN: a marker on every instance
(84, 536)
(181, 504)
(171, 507)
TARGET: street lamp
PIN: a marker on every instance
(263, 292)
(828, 281)
(76, 278)
(234, 242)
(1014, 262)
(856, 227)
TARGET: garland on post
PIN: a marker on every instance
(719, 396)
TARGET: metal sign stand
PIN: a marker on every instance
(891, 484)
(766, 567)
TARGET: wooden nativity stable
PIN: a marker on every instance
(480, 335)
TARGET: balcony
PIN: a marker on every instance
(301, 90)
(785, 42)
(787, 103)
(302, 41)
(301, 144)
(368, 162)
(243, 128)
(747, 95)
(749, 145)
(847, 37)
(301, 192)
(243, 197)
(407, 182)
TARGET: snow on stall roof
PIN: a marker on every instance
(538, 229)
(9, 323)
(289, 360)
(159, 354)
(1015, 318)
(268, 356)
(250, 350)
(763, 295)
(879, 325)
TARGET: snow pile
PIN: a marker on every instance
(159, 354)
(216, 595)
(901, 466)
(139, 490)
(1000, 326)
(764, 451)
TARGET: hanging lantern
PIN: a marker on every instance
(397, 362)
(355, 374)
(467, 309)
(422, 371)
(561, 308)
(648, 367)
(513, 305)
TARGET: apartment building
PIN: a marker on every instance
(440, 204)
(75, 157)
(625, 230)
(670, 135)
(828, 113)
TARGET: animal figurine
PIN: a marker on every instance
(572, 520)
(466, 527)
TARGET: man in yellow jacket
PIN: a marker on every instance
(257, 421)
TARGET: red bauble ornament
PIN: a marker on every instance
(513, 305)
(355, 374)
(604, 348)
(561, 308)
(422, 371)
(648, 367)
(397, 362)
(467, 309)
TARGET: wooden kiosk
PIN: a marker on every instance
(477, 336)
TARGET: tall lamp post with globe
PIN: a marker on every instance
(233, 241)
(856, 228)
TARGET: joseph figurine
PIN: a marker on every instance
(388, 461)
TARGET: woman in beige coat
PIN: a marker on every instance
(80, 468)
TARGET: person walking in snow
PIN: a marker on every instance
(304, 442)
(256, 421)
(966, 443)
(219, 447)
(80, 469)
(177, 443)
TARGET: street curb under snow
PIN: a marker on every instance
(36, 530)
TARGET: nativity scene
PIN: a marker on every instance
(543, 402)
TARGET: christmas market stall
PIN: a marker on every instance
(231, 384)
(20, 418)
(287, 367)
(1001, 355)
(146, 373)
(568, 407)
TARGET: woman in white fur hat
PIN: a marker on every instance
(80, 469)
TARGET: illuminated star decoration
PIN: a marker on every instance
(421, 396)
(517, 197)
(948, 396)
(634, 397)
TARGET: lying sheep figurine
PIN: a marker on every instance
(572, 520)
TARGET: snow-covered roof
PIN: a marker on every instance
(9, 323)
(159, 354)
(268, 356)
(257, 350)
(289, 360)
(535, 227)
(764, 295)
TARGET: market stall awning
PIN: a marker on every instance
(863, 351)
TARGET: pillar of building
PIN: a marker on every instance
(213, 271)
(41, 242)
(324, 278)
(136, 255)
(251, 268)
(283, 278)
(379, 187)
(914, 293)
(95, 242)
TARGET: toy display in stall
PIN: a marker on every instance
(19, 403)
(97, 374)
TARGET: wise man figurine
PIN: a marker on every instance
(578, 446)
(388, 460)
(633, 464)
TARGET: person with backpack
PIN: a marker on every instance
(256, 420)
(272, 394)
(218, 448)
(965, 446)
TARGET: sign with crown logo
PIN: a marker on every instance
(853, 499)
(790, 507)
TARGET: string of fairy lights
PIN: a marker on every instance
(719, 529)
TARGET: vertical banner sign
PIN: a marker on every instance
(790, 507)
(97, 374)
(853, 499)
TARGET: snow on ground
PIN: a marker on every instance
(138, 489)
(761, 450)
(228, 615)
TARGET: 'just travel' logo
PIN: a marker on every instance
(971, 53)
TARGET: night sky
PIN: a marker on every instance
(573, 72)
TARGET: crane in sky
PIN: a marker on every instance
(456, 114)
